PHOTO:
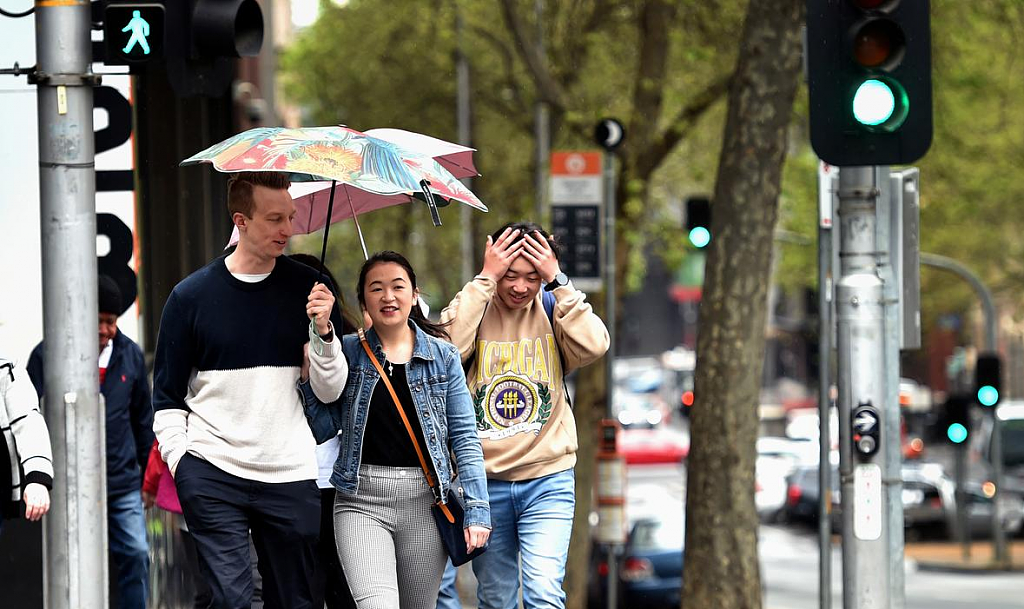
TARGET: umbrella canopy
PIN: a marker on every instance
(369, 163)
(371, 170)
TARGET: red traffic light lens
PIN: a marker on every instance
(878, 43)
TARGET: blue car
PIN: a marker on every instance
(650, 569)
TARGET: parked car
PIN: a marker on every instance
(777, 459)
(647, 446)
(650, 569)
(639, 409)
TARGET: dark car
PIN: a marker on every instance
(650, 568)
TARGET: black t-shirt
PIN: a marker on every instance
(386, 441)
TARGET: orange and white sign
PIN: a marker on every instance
(575, 177)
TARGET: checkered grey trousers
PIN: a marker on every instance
(387, 540)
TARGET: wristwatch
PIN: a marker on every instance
(558, 281)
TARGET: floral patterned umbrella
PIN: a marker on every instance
(370, 172)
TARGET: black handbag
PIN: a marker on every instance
(451, 531)
(450, 514)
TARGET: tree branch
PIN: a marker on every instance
(655, 21)
(548, 89)
(661, 145)
(508, 61)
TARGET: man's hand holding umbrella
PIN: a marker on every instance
(319, 305)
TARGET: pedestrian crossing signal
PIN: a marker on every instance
(133, 32)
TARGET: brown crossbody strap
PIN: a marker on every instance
(405, 421)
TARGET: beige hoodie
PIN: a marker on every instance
(515, 375)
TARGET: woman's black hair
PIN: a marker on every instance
(531, 227)
(436, 330)
(348, 323)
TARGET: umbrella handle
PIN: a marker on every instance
(327, 230)
(435, 216)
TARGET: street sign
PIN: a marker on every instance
(576, 195)
(133, 32)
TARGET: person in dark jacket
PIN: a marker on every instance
(129, 427)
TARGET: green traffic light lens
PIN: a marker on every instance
(873, 103)
(988, 395)
(880, 104)
(956, 433)
(700, 236)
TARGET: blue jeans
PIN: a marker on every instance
(126, 529)
(532, 519)
(448, 595)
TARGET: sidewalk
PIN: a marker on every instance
(950, 556)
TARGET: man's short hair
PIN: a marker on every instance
(530, 227)
(240, 189)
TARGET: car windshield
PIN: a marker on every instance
(1013, 442)
(650, 535)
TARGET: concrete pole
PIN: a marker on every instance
(542, 130)
(888, 226)
(861, 329)
(825, 400)
(466, 139)
(609, 291)
(988, 307)
(75, 531)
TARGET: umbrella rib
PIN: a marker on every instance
(355, 218)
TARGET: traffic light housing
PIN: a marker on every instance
(202, 36)
(698, 221)
(956, 418)
(869, 80)
(988, 379)
(133, 32)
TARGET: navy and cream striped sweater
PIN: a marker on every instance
(228, 356)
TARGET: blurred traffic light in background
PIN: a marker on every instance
(869, 80)
(698, 221)
(956, 418)
(987, 381)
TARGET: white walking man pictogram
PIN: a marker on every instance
(140, 30)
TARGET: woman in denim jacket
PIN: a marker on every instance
(387, 541)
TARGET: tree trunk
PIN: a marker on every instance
(589, 409)
(721, 566)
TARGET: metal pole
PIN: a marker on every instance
(466, 139)
(861, 329)
(888, 229)
(542, 128)
(75, 532)
(988, 307)
(609, 291)
(963, 533)
(825, 394)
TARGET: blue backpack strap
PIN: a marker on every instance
(549, 307)
(548, 300)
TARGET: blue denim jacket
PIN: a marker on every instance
(444, 408)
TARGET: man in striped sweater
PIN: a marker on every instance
(229, 419)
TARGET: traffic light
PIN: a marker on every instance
(201, 38)
(956, 418)
(987, 377)
(869, 80)
(698, 221)
(133, 32)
